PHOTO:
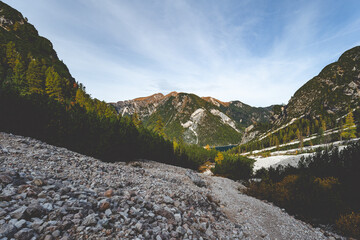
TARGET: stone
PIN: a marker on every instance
(5, 179)
(8, 230)
(56, 233)
(168, 200)
(195, 178)
(24, 234)
(20, 224)
(103, 205)
(108, 212)
(180, 230)
(19, 213)
(109, 193)
(35, 210)
(2, 213)
(38, 182)
(139, 227)
(165, 214)
(90, 220)
(104, 222)
(48, 237)
(177, 217)
(47, 206)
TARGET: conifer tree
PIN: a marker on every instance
(11, 54)
(349, 128)
(81, 97)
(34, 77)
(18, 77)
(159, 127)
(53, 84)
(136, 120)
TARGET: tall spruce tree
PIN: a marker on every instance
(34, 77)
(18, 77)
(53, 84)
(349, 128)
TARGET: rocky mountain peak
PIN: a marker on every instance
(216, 101)
(150, 99)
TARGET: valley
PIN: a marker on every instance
(76, 167)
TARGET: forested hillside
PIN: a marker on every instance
(40, 98)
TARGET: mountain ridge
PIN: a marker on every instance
(187, 116)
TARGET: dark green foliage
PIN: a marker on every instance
(193, 156)
(107, 138)
(234, 167)
(320, 189)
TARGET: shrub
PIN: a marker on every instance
(234, 167)
(349, 224)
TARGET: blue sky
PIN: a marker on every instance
(256, 51)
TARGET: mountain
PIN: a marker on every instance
(320, 104)
(194, 119)
(22, 45)
(327, 97)
(333, 91)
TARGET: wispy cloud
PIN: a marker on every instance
(253, 51)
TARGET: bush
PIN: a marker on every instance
(349, 224)
(234, 167)
(308, 197)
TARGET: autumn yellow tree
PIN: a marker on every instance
(219, 157)
(136, 120)
(349, 128)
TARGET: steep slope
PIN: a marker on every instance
(333, 91)
(319, 105)
(21, 44)
(185, 117)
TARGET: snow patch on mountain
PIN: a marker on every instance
(225, 119)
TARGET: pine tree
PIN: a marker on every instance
(54, 84)
(159, 127)
(11, 54)
(18, 77)
(136, 120)
(35, 78)
(349, 128)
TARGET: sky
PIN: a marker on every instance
(256, 51)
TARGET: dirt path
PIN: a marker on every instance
(259, 220)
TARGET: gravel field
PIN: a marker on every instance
(49, 193)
